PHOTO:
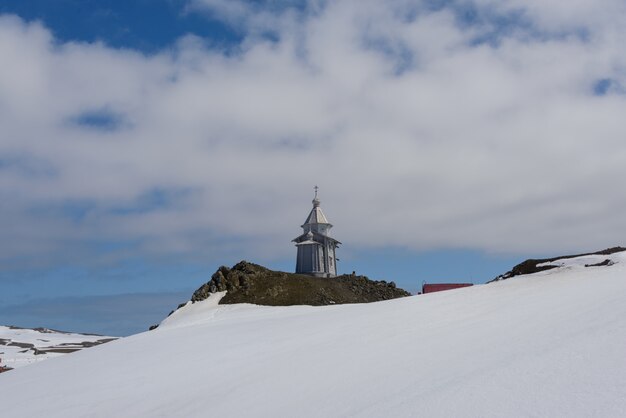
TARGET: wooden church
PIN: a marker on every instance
(316, 249)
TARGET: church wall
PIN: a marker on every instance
(306, 259)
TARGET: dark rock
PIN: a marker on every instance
(606, 262)
(21, 345)
(251, 283)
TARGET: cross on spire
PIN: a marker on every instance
(316, 189)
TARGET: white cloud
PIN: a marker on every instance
(417, 136)
(560, 15)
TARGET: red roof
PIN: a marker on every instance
(439, 287)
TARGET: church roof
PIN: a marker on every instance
(311, 237)
(309, 242)
(316, 216)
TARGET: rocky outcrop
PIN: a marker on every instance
(250, 283)
(533, 265)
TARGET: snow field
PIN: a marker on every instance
(545, 345)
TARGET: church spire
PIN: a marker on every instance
(316, 216)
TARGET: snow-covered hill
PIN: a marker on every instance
(22, 346)
(551, 344)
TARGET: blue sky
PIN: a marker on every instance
(145, 143)
(145, 25)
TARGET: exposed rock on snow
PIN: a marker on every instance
(22, 346)
(531, 266)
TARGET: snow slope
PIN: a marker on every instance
(552, 344)
(23, 346)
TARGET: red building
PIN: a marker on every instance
(440, 287)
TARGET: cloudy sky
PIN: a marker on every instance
(145, 143)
